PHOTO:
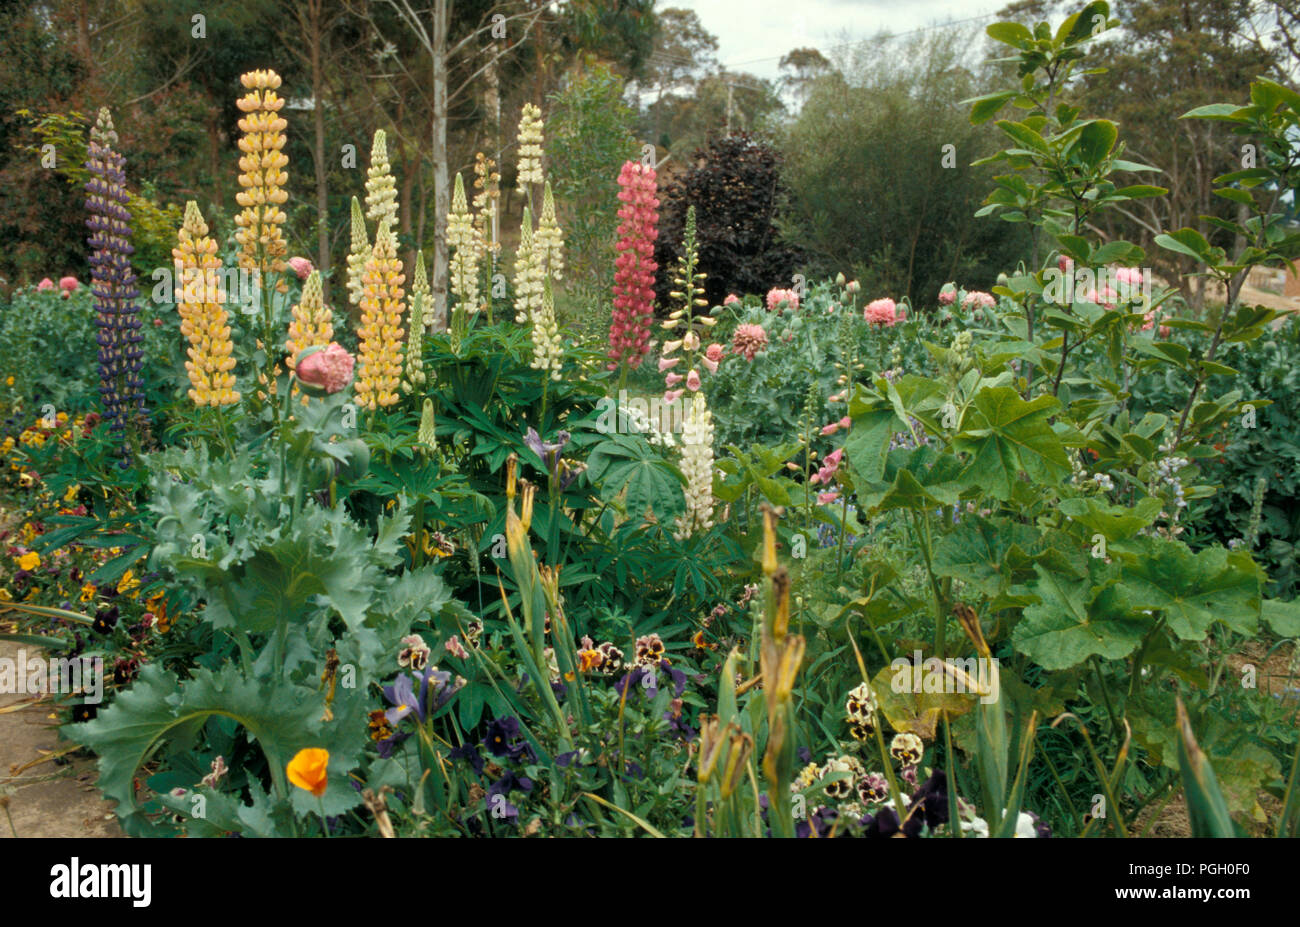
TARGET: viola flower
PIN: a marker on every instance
(881, 312)
(309, 770)
(219, 770)
(634, 266)
(649, 649)
(873, 789)
(329, 368)
(29, 561)
(414, 653)
(204, 321)
(907, 748)
(748, 340)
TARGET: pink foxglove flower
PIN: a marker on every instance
(329, 368)
(825, 498)
(673, 395)
(710, 365)
(635, 266)
(693, 381)
(673, 379)
(666, 363)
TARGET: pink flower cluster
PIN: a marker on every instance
(882, 312)
(775, 297)
(978, 300)
(826, 473)
(635, 266)
(844, 423)
(67, 285)
(748, 340)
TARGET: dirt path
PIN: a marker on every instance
(47, 797)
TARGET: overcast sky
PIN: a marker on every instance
(767, 29)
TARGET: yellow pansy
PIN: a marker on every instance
(29, 561)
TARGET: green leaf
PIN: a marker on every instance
(159, 711)
(1096, 140)
(1193, 590)
(1005, 435)
(1114, 522)
(1206, 808)
(975, 551)
(1013, 34)
(1282, 617)
(986, 107)
(1186, 241)
(1074, 620)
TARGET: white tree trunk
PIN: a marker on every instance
(441, 193)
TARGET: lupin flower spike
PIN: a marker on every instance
(262, 176)
(312, 324)
(204, 320)
(380, 333)
(113, 282)
(358, 254)
(381, 189)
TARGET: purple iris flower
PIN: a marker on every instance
(550, 453)
(435, 690)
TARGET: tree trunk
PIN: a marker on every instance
(441, 194)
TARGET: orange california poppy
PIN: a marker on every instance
(308, 770)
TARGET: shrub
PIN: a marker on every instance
(735, 186)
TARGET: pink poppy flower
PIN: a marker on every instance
(881, 312)
(329, 368)
(301, 266)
